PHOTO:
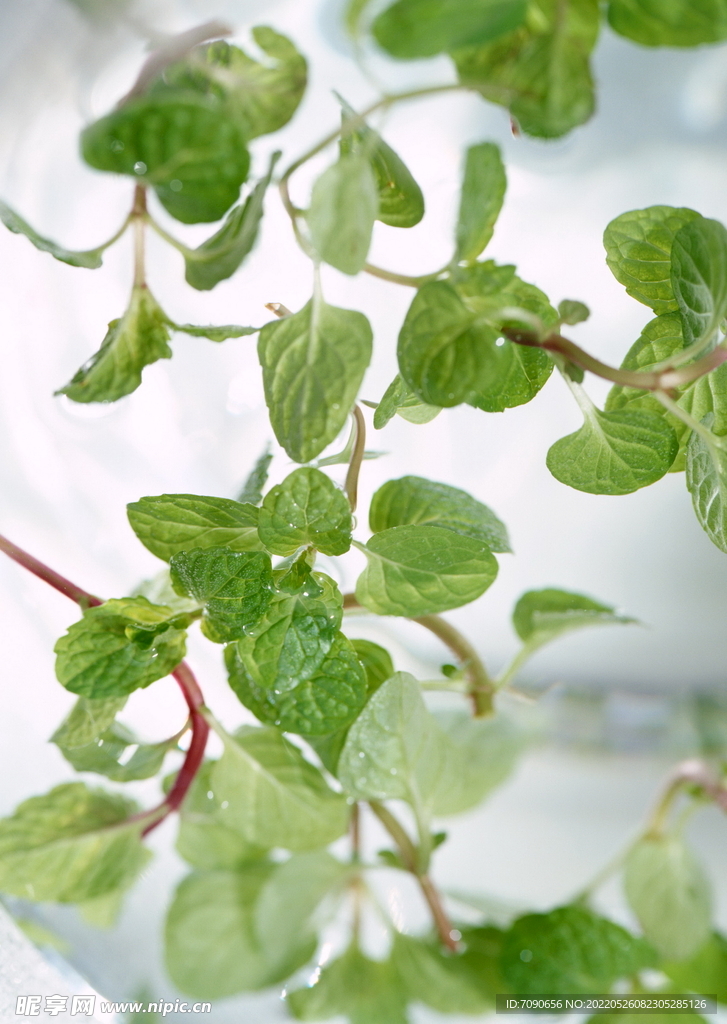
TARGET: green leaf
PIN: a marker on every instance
(352, 16)
(362, 990)
(707, 483)
(638, 251)
(90, 258)
(212, 333)
(572, 311)
(343, 207)
(614, 452)
(139, 338)
(184, 146)
(313, 364)
(413, 500)
(103, 755)
(252, 489)
(70, 845)
(274, 797)
(307, 508)
(119, 647)
(103, 911)
(699, 277)
(541, 616)
(235, 588)
(571, 951)
(483, 192)
(670, 894)
(399, 398)
(212, 948)
(541, 71)
(704, 971)
(420, 570)
(422, 28)
(669, 22)
(169, 523)
(258, 96)
(219, 256)
(87, 720)
(449, 984)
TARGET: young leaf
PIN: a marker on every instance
(252, 489)
(413, 500)
(220, 256)
(274, 797)
(409, 29)
(86, 721)
(139, 338)
(541, 616)
(449, 984)
(103, 755)
(670, 894)
(614, 452)
(212, 333)
(343, 207)
(90, 258)
(234, 587)
(182, 145)
(638, 252)
(571, 311)
(361, 990)
(118, 647)
(306, 509)
(707, 483)
(313, 364)
(705, 971)
(669, 22)
(169, 523)
(420, 570)
(399, 398)
(571, 951)
(699, 277)
(541, 71)
(70, 845)
(483, 191)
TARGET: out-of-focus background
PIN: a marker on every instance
(620, 705)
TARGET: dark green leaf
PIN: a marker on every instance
(707, 483)
(118, 647)
(422, 28)
(572, 311)
(252, 489)
(169, 523)
(343, 207)
(614, 452)
(90, 259)
(86, 721)
(70, 845)
(399, 398)
(139, 338)
(221, 333)
(669, 22)
(542, 615)
(307, 508)
(418, 570)
(638, 251)
(483, 192)
(103, 755)
(234, 587)
(412, 500)
(313, 364)
(699, 277)
(449, 984)
(541, 71)
(705, 971)
(571, 951)
(183, 145)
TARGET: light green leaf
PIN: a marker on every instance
(707, 483)
(184, 146)
(541, 616)
(483, 192)
(235, 588)
(699, 277)
(614, 452)
(90, 258)
(313, 364)
(70, 845)
(572, 951)
(139, 338)
(274, 797)
(449, 984)
(669, 22)
(399, 398)
(118, 647)
(219, 257)
(419, 570)
(252, 489)
(361, 990)
(705, 971)
(343, 207)
(413, 500)
(572, 311)
(353, 14)
(670, 894)
(103, 911)
(638, 251)
(541, 71)
(169, 523)
(409, 29)
(212, 949)
(86, 721)
(307, 508)
(103, 755)
(216, 333)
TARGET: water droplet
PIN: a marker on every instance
(210, 795)
(176, 185)
(225, 804)
(500, 342)
(361, 753)
(526, 956)
(392, 771)
(139, 167)
(117, 146)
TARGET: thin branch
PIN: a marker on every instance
(405, 279)
(688, 773)
(357, 456)
(139, 216)
(48, 575)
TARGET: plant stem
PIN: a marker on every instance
(50, 576)
(139, 217)
(169, 239)
(354, 466)
(676, 410)
(688, 773)
(410, 858)
(405, 279)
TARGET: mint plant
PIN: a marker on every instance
(342, 735)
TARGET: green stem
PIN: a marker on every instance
(169, 239)
(357, 455)
(139, 217)
(405, 279)
(681, 414)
